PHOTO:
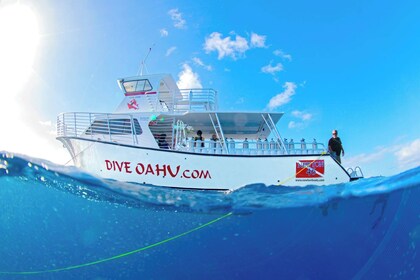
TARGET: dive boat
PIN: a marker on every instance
(165, 136)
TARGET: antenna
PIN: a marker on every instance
(143, 62)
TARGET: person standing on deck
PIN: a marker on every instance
(335, 147)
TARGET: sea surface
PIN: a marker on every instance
(58, 222)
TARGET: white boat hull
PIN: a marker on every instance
(170, 168)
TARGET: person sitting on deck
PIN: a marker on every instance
(214, 144)
(199, 137)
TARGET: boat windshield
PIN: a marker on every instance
(137, 85)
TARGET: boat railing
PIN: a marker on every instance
(124, 129)
(197, 100)
(246, 147)
(118, 128)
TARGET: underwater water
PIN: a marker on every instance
(60, 223)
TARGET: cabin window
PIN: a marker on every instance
(115, 127)
(138, 85)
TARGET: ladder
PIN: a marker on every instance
(219, 131)
(272, 126)
(152, 108)
(180, 134)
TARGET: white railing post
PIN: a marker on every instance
(109, 128)
(75, 126)
(133, 130)
(90, 125)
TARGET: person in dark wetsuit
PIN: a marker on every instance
(199, 137)
(335, 147)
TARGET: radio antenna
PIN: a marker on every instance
(143, 62)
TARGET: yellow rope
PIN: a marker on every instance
(117, 256)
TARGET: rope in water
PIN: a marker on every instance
(120, 255)
(142, 248)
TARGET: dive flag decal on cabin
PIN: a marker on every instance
(133, 104)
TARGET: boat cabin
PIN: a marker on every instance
(155, 113)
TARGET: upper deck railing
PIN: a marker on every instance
(203, 99)
(125, 129)
(197, 100)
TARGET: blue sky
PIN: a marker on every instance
(330, 65)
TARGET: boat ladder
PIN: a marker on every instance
(272, 126)
(355, 173)
(219, 131)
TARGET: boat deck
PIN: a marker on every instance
(126, 129)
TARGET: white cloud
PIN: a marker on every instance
(188, 79)
(387, 160)
(272, 69)
(46, 123)
(176, 17)
(50, 126)
(304, 116)
(170, 51)
(227, 46)
(163, 32)
(408, 156)
(293, 124)
(283, 55)
(29, 136)
(366, 158)
(258, 41)
(283, 97)
(373, 164)
(201, 63)
(303, 119)
(297, 125)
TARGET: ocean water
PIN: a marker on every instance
(60, 223)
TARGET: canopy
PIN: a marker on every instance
(233, 124)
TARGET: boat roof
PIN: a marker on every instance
(232, 123)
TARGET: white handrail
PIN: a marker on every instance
(124, 128)
(244, 147)
(119, 128)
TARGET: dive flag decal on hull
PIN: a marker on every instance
(310, 168)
